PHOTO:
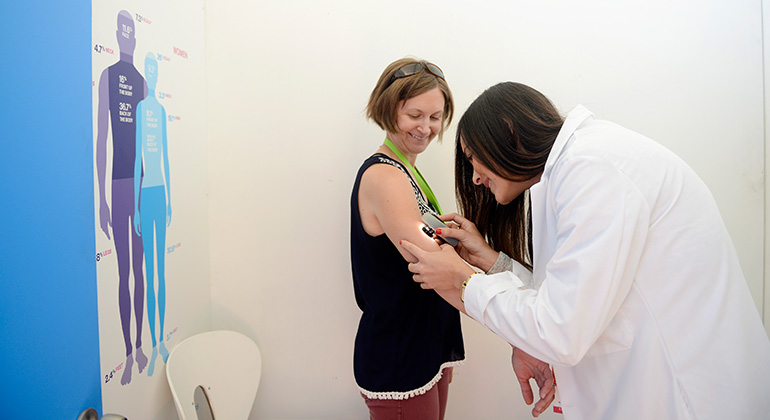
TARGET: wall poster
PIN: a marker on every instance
(150, 198)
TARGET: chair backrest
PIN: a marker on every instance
(226, 365)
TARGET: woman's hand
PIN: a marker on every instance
(440, 270)
(472, 247)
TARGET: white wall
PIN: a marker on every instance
(287, 83)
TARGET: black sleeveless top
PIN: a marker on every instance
(406, 335)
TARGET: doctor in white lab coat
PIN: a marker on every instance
(631, 287)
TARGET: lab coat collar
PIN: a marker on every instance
(574, 120)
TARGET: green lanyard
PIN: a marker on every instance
(420, 180)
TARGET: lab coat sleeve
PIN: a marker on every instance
(595, 233)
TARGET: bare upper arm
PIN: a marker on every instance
(388, 205)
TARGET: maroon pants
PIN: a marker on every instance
(428, 406)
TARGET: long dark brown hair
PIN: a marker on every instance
(510, 128)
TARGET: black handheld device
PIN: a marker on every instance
(432, 223)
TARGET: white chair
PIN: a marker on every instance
(216, 369)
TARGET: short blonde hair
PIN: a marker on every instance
(387, 96)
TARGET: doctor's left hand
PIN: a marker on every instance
(527, 367)
(440, 270)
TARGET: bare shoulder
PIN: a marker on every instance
(386, 197)
(388, 204)
(386, 188)
(383, 177)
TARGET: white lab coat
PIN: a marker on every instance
(636, 298)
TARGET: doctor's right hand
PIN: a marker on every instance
(472, 247)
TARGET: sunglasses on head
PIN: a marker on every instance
(414, 68)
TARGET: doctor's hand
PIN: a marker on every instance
(527, 367)
(440, 270)
(472, 247)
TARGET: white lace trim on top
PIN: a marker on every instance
(413, 393)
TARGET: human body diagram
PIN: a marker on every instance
(121, 87)
(152, 198)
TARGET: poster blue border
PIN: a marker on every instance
(49, 351)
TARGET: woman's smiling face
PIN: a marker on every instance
(419, 121)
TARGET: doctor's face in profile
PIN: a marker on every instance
(504, 190)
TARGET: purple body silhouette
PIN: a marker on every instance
(121, 87)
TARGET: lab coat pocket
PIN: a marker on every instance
(619, 335)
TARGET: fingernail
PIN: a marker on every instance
(399, 242)
(438, 231)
